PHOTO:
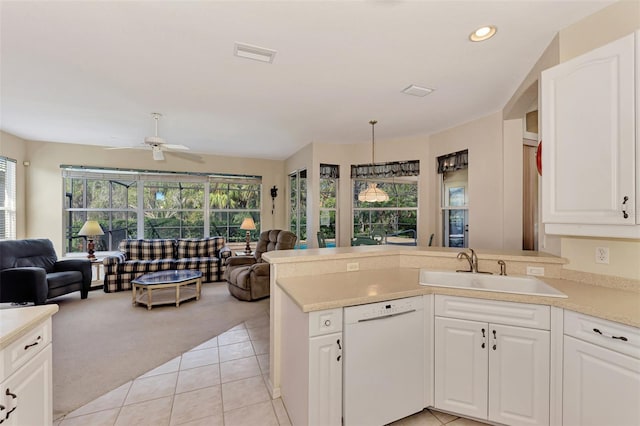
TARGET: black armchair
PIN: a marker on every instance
(30, 272)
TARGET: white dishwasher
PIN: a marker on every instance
(383, 361)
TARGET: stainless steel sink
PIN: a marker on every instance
(486, 282)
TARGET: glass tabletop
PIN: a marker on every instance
(166, 277)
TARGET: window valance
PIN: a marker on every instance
(454, 161)
(329, 171)
(385, 170)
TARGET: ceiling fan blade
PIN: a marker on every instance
(186, 156)
(124, 147)
(175, 146)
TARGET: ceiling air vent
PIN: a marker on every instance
(414, 90)
(248, 51)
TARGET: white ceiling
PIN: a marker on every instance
(92, 72)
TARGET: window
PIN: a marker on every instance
(7, 199)
(298, 207)
(389, 222)
(329, 176)
(173, 209)
(132, 204)
(230, 203)
(109, 200)
(455, 212)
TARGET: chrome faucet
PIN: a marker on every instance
(503, 267)
(463, 255)
(473, 262)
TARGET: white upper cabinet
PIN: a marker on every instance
(589, 161)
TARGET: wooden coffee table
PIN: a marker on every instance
(166, 287)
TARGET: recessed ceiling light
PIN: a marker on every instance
(257, 53)
(483, 33)
(414, 90)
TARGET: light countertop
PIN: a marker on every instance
(336, 290)
(14, 321)
(310, 255)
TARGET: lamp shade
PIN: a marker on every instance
(373, 194)
(90, 228)
(248, 224)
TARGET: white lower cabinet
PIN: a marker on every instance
(490, 370)
(26, 367)
(311, 376)
(27, 393)
(325, 380)
(518, 375)
(601, 372)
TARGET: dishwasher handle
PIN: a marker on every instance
(387, 316)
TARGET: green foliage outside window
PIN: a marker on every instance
(170, 209)
(397, 217)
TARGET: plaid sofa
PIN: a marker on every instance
(138, 257)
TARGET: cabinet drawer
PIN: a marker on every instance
(24, 348)
(608, 334)
(508, 313)
(325, 322)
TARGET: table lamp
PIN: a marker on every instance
(248, 225)
(90, 229)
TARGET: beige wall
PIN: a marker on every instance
(483, 139)
(16, 149)
(623, 256)
(44, 199)
(603, 27)
(512, 182)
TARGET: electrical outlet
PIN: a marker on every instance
(535, 270)
(355, 266)
(602, 255)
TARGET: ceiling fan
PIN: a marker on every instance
(159, 146)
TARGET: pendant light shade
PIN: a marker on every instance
(373, 194)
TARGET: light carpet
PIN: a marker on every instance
(104, 341)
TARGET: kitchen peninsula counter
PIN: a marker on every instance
(317, 279)
(336, 290)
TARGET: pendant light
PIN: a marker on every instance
(373, 194)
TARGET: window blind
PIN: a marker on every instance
(7, 198)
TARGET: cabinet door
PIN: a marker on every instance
(32, 385)
(518, 375)
(325, 380)
(588, 137)
(461, 366)
(601, 386)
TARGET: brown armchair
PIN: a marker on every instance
(248, 276)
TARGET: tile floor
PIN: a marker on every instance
(220, 382)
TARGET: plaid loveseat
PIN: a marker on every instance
(138, 257)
